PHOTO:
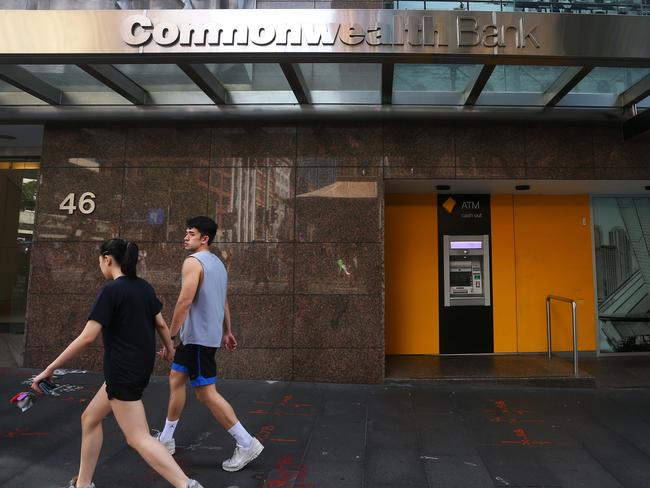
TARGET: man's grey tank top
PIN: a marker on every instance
(204, 322)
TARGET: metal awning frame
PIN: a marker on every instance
(58, 105)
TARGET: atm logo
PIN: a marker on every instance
(449, 205)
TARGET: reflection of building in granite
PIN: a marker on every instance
(251, 204)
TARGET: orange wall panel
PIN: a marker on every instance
(553, 255)
(504, 295)
(411, 274)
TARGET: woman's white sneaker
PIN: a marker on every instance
(242, 456)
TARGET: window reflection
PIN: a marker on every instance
(622, 273)
(252, 204)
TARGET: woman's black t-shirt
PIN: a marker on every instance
(126, 308)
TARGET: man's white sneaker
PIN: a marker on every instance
(194, 484)
(242, 456)
(170, 445)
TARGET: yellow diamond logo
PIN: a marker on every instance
(449, 205)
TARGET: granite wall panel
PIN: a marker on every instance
(84, 217)
(490, 146)
(300, 210)
(255, 364)
(252, 204)
(83, 147)
(338, 321)
(339, 269)
(559, 151)
(334, 205)
(158, 201)
(56, 320)
(65, 268)
(358, 145)
(262, 321)
(339, 365)
(175, 147)
(253, 146)
(257, 268)
(430, 145)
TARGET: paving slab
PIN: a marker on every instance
(350, 436)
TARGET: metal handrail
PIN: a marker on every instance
(574, 324)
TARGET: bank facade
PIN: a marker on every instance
(388, 181)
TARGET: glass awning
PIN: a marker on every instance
(427, 87)
(321, 83)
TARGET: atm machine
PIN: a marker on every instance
(466, 270)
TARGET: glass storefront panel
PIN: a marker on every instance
(622, 250)
(18, 185)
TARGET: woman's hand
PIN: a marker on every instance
(167, 354)
(46, 374)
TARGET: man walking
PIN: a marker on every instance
(202, 318)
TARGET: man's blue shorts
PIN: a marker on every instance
(198, 362)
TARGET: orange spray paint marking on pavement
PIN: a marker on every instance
(265, 432)
(20, 432)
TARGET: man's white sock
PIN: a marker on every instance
(241, 435)
(168, 432)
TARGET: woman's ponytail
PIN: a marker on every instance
(130, 260)
(125, 254)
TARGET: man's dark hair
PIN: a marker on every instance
(205, 225)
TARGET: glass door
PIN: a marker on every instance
(622, 248)
(18, 185)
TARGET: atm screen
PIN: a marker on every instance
(466, 245)
(462, 278)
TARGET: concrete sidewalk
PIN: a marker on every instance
(339, 436)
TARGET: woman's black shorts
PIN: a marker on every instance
(128, 392)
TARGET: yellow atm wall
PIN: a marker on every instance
(540, 245)
(411, 274)
(553, 255)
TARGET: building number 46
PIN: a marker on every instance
(85, 204)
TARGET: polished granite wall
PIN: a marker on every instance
(300, 213)
(300, 210)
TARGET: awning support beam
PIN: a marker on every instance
(635, 93)
(206, 81)
(27, 82)
(476, 86)
(296, 82)
(637, 125)
(113, 78)
(564, 84)
(387, 76)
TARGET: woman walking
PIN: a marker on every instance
(127, 313)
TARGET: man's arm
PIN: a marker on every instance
(83, 340)
(191, 272)
(228, 339)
